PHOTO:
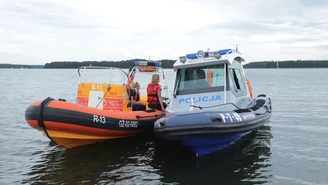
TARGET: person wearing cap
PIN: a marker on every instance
(200, 78)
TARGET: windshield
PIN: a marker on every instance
(200, 79)
(104, 75)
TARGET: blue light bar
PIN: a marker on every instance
(191, 56)
(145, 63)
(224, 51)
(194, 55)
(140, 63)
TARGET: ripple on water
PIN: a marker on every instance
(290, 180)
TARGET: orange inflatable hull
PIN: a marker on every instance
(71, 125)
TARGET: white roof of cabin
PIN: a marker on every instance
(226, 58)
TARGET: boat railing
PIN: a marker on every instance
(213, 106)
(97, 67)
(162, 75)
(83, 68)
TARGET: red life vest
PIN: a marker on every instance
(152, 93)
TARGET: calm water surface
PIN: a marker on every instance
(291, 149)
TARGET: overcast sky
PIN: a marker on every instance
(42, 31)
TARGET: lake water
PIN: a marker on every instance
(291, 149)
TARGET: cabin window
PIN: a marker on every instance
(200, 79)
(237, 80)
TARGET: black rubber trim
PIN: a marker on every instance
(259, 104)
(152, 116)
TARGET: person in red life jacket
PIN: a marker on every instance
(136, 104)
(154, 94)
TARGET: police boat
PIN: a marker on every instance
(212, 105)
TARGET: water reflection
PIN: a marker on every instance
(124, 160)
(143, 161)
(247, 161)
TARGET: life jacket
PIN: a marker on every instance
(152, 97)
(209, 78)
(249, 88)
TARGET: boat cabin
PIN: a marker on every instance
(209, 81)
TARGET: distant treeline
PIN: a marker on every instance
(169, 64)
(19, 66)
(289, 64)
(120, 64)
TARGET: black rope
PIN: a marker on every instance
(40, 116)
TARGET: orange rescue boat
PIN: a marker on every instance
(102, 111)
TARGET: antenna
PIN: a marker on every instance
(236, 48)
